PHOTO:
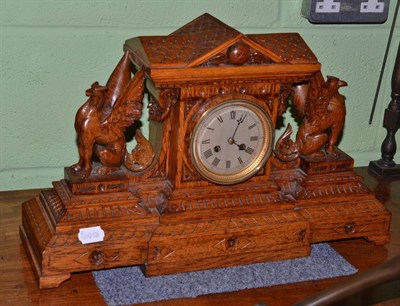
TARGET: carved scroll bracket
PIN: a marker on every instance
(154, 196)
(160, 108)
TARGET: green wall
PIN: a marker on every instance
(51, 51)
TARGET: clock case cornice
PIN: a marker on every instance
(195, 53)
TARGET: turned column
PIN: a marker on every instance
(391, 122)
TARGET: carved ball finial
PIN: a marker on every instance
(239, 53)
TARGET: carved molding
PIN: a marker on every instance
(331, 190)
(105, 212)
(231, 201)
(273, 79)
(54, 203)
(265, 89)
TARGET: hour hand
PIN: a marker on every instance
(241, 147)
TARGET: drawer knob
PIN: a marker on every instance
(231, 243)
(302, 235)
(350, 228)
(96, 257)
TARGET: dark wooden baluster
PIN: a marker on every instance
(391, 122)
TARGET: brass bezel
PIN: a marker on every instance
(257, 163)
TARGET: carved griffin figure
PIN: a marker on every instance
(323, 111)
(101, 121)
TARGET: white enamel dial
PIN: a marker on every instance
(231, 141)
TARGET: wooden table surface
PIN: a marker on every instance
(18, 285)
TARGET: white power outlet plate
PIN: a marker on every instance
(372, 6)
(345, 11)
(327, 6)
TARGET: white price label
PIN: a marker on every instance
(91, 234)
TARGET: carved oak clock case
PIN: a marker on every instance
(211, 186)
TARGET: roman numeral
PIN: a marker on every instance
(249, 150)
(208, 153)
(253, 138)
(206, 141)
(252, 126)
(227, 164)
(216, 161)
(240, 160)
(220, 119)
(233, 114)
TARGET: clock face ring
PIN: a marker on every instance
(231, 141)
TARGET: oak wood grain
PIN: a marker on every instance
(18, 285)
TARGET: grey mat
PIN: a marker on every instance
(125, 286)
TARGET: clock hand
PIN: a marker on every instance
(241, 147)
(241, 119)
(231, 140)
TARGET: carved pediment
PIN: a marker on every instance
(208, 42)
(237, 54)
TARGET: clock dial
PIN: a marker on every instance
(231, 141)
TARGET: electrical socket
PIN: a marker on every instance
(372, 6)
(327, 6)
(345, 11)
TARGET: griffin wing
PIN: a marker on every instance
(314, 103)
(116, 84)
(128, 106)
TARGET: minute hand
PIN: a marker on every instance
(240, 120)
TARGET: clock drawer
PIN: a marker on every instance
(366, 219)
(221, 243)
(120, 247)
(93, 257)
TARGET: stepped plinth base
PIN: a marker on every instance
(276, 222)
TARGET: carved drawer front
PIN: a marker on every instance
(202, 245)
(367, 219)
(125, 246)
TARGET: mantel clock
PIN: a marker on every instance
(210, 186)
